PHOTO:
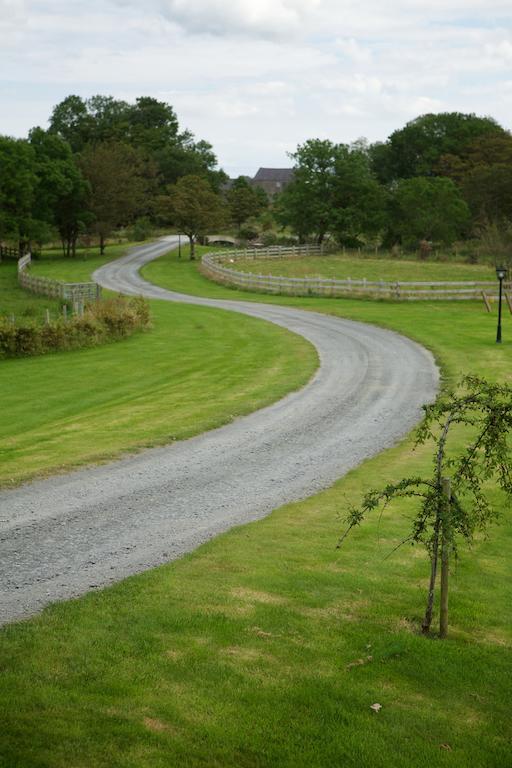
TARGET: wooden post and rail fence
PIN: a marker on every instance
(217, 266)
(76, 293)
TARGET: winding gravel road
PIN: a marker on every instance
(64, 536)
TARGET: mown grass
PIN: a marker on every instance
(341, 267)
(196, 369)
(267, 647)
(17, 303)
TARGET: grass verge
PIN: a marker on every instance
(196, 369)
(267, 647)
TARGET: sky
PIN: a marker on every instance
(258, 77)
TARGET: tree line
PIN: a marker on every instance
(440, 178)
(103, 164)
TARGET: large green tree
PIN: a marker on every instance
(333, 190)
(120, 180)
(194, 208)
(245, 201)
(60, 197)
(415, 149)
(484, 174)
(18, 183)
(429, 209)
(149, 125)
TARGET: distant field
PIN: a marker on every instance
(342, 267)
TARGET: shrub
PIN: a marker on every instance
(103, 321)
(141, 230)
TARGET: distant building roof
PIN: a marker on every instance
(284, 175)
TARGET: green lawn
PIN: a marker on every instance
(342, 267)
(267, 646)
(196, 369)
(14, 301)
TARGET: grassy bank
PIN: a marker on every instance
(196, 369)
(16, 302)
(267, 647)
(338, 266)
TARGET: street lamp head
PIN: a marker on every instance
(501, 273)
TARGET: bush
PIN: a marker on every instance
(141, 230)
(102, 321)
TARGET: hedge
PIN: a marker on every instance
(102, 321)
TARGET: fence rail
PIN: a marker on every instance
(213, 267)
(55, 289)
(9, 253)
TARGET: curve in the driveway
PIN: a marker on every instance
(63, 536)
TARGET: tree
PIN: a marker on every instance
(453, 502)
(244, 201)
(416, 149)
(120, 180)
(59, 183)
(90, 121)
(358, 200)
(423, 209)
(305, 204)
(333, 190)
(483, 173)
(194, 208)
(17, 189)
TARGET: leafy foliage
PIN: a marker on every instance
(485, 410)
(333, 190)
(429, 209)
(102, 321)
(194, 208)
(415, 149)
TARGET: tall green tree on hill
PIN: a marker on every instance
(120, 180)
(483, 173)
(18, 183)
(245, 201)
(415, 149)
(333, 190)
(149, 125)
(194, 208)
(426, 209)
(60, 195)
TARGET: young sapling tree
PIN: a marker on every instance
(453, 502)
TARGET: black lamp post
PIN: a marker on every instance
(501, 273)
(179, 245)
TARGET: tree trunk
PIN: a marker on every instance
(192, 248)
(102, 244)
(427, 621)
(445, 557)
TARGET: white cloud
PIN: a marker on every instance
(256, 77)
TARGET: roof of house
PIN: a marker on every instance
(274, 174)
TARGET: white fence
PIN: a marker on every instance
(45, 286)
(213, 266)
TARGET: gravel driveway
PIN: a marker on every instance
(64, 536)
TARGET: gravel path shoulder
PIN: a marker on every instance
(66, 535)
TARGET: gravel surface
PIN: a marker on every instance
(64, 536)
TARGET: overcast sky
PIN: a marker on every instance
(258, 77)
